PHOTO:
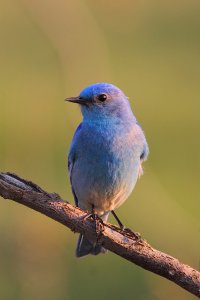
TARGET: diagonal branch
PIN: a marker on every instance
(121, 243)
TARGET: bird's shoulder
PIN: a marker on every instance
(140, 139)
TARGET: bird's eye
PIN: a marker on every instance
(102, 97)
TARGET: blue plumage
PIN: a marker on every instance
(106, 154)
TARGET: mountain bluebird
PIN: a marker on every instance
(106, 155)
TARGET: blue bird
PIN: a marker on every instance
(106, 155)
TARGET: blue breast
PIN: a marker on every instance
(109, 159)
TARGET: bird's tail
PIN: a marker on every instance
(85, 247)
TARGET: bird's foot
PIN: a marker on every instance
(131, 233)
(135, 235)
(98, 224)
(94, 216)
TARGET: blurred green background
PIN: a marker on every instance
(52, 49)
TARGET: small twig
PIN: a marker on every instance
(122, 243)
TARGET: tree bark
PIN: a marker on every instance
(122, 243)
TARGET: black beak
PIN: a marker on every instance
(78, 100)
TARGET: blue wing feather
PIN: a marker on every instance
(71, 161)
(145, 152)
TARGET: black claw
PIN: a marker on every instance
(133, 234)
(98, 224)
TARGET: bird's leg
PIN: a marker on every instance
(96, 218)
(98, 223)
(92, 215)
(123, 228)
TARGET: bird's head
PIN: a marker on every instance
(102, 100)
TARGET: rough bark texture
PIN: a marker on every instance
(122, 243)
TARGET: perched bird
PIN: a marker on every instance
(106, 155)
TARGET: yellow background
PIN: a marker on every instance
(52, 49)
